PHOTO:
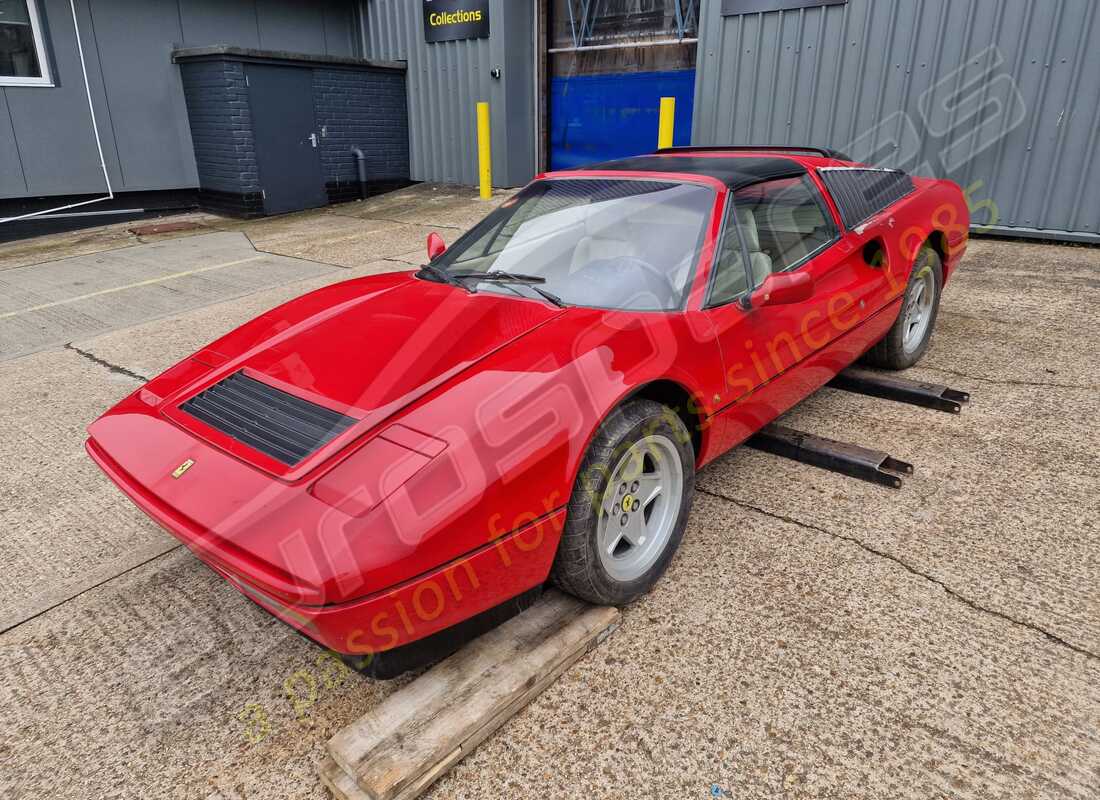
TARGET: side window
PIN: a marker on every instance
(730, 278)
(783, 223)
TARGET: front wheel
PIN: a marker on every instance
(629, 505)
(905, 342)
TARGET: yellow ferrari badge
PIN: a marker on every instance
(182, 468)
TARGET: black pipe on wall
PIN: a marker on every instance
(361, 165)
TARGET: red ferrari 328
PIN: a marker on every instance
(395, 463)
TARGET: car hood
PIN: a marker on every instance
(366, 350)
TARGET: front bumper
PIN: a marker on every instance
(382, 620)
(404, 614)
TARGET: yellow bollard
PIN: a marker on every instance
(668, 118)
(484, 152)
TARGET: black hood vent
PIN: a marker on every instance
(267, 419)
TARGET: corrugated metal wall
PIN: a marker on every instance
(1002, 96)
(447, 79)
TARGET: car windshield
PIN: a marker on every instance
(608, 243)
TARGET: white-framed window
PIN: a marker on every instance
(23, 60)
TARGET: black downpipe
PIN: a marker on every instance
(361, 165)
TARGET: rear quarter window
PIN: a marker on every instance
(862, 192)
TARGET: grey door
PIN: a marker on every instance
(287, 142)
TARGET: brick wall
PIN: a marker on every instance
(353, 106)
(361, 108)
(221, 126)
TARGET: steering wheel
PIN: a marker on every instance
(615, 282)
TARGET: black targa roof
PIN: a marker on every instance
(734, 171)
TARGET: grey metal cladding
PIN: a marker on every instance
(1000, 96)
(731, 7)
(446, 80)
(859, 194)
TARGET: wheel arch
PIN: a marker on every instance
(682, 401)
(937, 240)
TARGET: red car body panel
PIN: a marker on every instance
(472, 413)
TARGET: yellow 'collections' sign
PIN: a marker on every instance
(437, 18)
(447, 20)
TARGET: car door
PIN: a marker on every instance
(776, 355)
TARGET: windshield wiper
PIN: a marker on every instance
(497, 275)
(548, 296)
(529, 281)
(445, 276)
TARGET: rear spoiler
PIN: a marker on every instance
(825, 152)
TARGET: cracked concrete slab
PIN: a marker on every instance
(337, 240)
(114, 369)
(50, 247)
(67, 528)
(61, 520)
(769, 661)
(48, 304)
(167, 683)
(911, 568)
(773, 661)
(152, 347)
(448, 209)
(1004, 507)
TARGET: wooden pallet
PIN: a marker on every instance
(418, 733)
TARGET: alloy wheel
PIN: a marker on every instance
(639, 508)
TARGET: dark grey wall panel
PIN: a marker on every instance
(518, 48)
(1002, 96)
(220, 22)
(144, 96)
(283, 26)
(341, 20)
(327, 27)
(11, 168)
(136, 89)
(447, 79)
(51, 127)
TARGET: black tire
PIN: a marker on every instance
(577, 567)
(890, 352)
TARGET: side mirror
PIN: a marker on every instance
(783, 288)
(436, 247)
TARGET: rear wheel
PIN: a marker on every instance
(629, 505)
(905, 342)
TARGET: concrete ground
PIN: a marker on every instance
(815, 636)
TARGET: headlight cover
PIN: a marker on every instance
(360, 482)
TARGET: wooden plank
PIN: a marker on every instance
(342, 785)
(435, 689)
(415, 735)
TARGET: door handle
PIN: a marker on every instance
(313, 139)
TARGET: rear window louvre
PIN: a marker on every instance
(862, 192)
(274, 422)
